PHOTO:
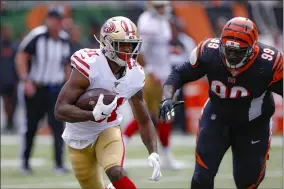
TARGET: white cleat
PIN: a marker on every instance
(110, 186)
(169, 162)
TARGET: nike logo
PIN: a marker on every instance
(254, 142)
(104, 114)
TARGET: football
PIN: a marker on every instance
(88, 100)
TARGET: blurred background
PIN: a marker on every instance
(197, 20)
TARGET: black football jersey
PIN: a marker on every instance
(241, 94)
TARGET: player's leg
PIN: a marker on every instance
(212, 142)
(250, 148)
(110, 154)
(86, 168)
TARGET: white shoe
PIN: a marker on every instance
(169, 162)
(110, 186)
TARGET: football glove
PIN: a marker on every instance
(166, 109)
(102, 111)
(154, 162)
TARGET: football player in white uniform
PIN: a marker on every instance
(94, 137)
(155, 30)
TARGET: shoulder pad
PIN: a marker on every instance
(138, 72)
(83, 59)
(202, 49)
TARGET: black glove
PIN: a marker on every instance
(166, 110)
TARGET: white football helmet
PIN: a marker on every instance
(115, 31)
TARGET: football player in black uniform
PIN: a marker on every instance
(242, 75)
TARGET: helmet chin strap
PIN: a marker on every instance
(101, 45)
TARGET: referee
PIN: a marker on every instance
(42, 67)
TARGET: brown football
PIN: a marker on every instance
(88, 100)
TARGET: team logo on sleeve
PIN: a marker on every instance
(109, 27)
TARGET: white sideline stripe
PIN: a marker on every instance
(176, 140)
(57, 184)
(13, 162)
(41, 162)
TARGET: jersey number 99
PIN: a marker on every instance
(223, 91)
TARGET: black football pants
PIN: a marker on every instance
(42, 102)
(250, 144)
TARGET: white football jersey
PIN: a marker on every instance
(156, 35)
(93, 64)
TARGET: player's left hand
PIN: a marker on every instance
(154, 162)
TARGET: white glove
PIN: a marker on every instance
(154, 162)
(102, 111)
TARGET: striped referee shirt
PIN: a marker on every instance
(48, 56)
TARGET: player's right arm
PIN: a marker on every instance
(276, 84)
(187, 72)
(64, 110)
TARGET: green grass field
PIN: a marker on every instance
(135, 164)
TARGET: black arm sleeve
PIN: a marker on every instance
(277, 78)
(277, 87)
(183, 74)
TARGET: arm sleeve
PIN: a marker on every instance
(183, 74)
(189, 71)
(276, 85)
(80, 63)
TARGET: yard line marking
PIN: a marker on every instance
(177, 140)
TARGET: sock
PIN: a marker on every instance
(164, 131)
(131, 129)
(124, 183)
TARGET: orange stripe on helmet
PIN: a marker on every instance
(241, 28)
(240, 37)
(249, 32)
